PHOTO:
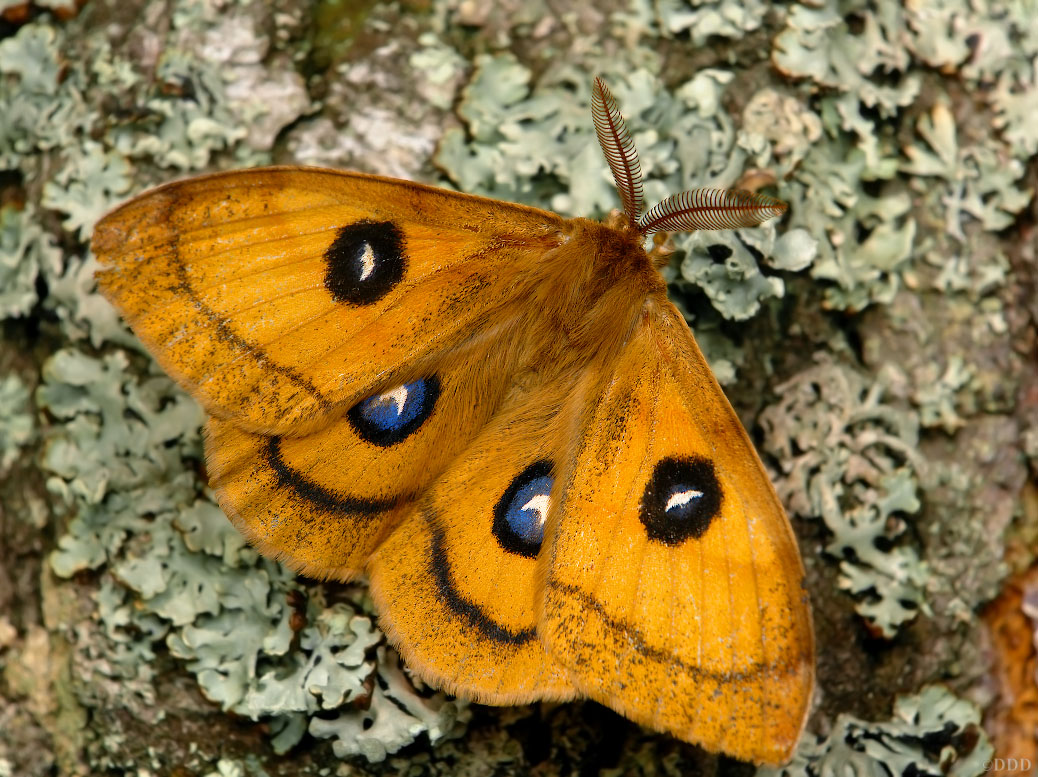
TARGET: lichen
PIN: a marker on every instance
(26, 254)
(849, 458)
(976, 188)
(377, 731)
(727, 265)
(842, 45)
(818, 43)
(699, 19)
(932, 732)
(865, 240)
(38, 109)
(17, 423)
(787, 126)
(184, 133)
(936, 391)
(89, 185)
(439, 70)
(119, 454)
(51, 129)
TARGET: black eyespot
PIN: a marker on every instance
(364, 262)
(387, 418)
(681, 500)
(522, 510)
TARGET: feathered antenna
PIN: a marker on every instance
(710, 209)
(618, 147)
(697, 209)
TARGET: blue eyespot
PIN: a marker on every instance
(395, 408)
(522, 510)
(387, 418)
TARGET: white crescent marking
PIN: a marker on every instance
(397, 396)
(540, 503)
(682, 498)
(367, 262)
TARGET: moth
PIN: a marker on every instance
(497, 415)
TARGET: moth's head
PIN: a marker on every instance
(613, 253)
(634, 239)
(619, 220)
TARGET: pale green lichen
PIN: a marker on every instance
(1016, 105)
(438, 69)
(173, 568)
(727, 265)
(976, 187)
(337, 659)
(17, 423)
(84, 314)
(980, 178)
(781, 124)
(376, 731)
(873, 239)
(698, 19)
(932, 732)
(37, 109)
(939, 31)
(849, 458)
(504, 122)
(818, 43)
(184, 575)
(90, 184)
(121, 444)
(48, 123)
(26, 254)
(727, 271)
(184, 133)
(864, 241)
(936, 391)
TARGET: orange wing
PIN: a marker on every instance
(456, 583)
(672, 581)
(323, 502)
(280, 297)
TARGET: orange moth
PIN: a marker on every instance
(497, 415)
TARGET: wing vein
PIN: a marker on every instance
(256, 349)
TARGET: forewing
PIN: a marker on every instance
(672, 580)
(280, 297)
